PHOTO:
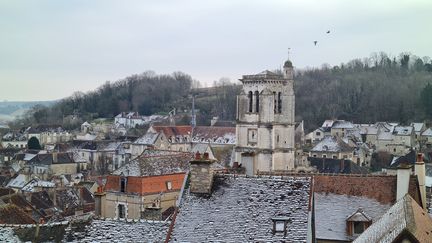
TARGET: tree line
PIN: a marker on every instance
(377, 88)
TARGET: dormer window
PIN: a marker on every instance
(358, 222)
(280, 225)
(169, 185)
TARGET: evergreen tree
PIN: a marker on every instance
(33, 143)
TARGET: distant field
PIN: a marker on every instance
(10, 110)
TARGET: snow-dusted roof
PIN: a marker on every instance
(404, 216)
(427, 132)
(403, 130)
(417, 126)
(18, 182)
(241, 210)
(368, 129)
(331, 144)
(342, 124)
(148, 139)
(156, 162)
(86, 137)
(214, 135)
(121, 231)
(29, 187)
(328, 123)
(332, 211)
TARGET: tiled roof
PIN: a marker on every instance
(333, 210)
(11, 214)
(215, 135)
(174, 131)
(45, 128)
(156, 162)
(6, 191)
(52, 158)
(405, 216)
(146, 184)
(121, 231)
(383, 189)
(241, 210)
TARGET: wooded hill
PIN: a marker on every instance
(378, 88)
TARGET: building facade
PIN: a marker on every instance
(265, 122)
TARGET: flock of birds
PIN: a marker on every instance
(316, 42)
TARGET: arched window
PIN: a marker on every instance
(257, 101)
(279, 102)
(250, 101)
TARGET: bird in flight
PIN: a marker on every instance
(315, 42)
(328, 32)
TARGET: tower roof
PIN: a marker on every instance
(288, 63)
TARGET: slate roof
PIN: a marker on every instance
(121, 231)
(29, 187)
(45, 128)
(156, 162)
(417, 126)
(332, 211)
(409, 159)
(240, 210)
(332, 144)
(403, 130)
(41, 200)
(53, 158)
(329, 165)
(427, 132)
(404, 216)
(339, 124)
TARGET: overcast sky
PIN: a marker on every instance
(49, 49)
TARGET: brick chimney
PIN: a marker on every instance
(201, 174)
(420, 172)
(403, 178)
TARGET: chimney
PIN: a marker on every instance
(420, 172)
(403, 178)
(201, 175)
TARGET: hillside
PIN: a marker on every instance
(378, 88)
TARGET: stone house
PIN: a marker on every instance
(145, 187)
(427, 137)
(140, 197)
(332, 147)
(151, 139)
(49, 134)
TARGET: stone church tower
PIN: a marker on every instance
(265, 122)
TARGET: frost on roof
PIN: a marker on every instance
(156, 162)
(119, 231)
(331, 144)
(405, 215)
(148, 138)
(403, 130)
(240, 210)
(427, 132)
(332, 211)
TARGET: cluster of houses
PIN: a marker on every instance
(260, 179)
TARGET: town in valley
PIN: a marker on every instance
(337, 153)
